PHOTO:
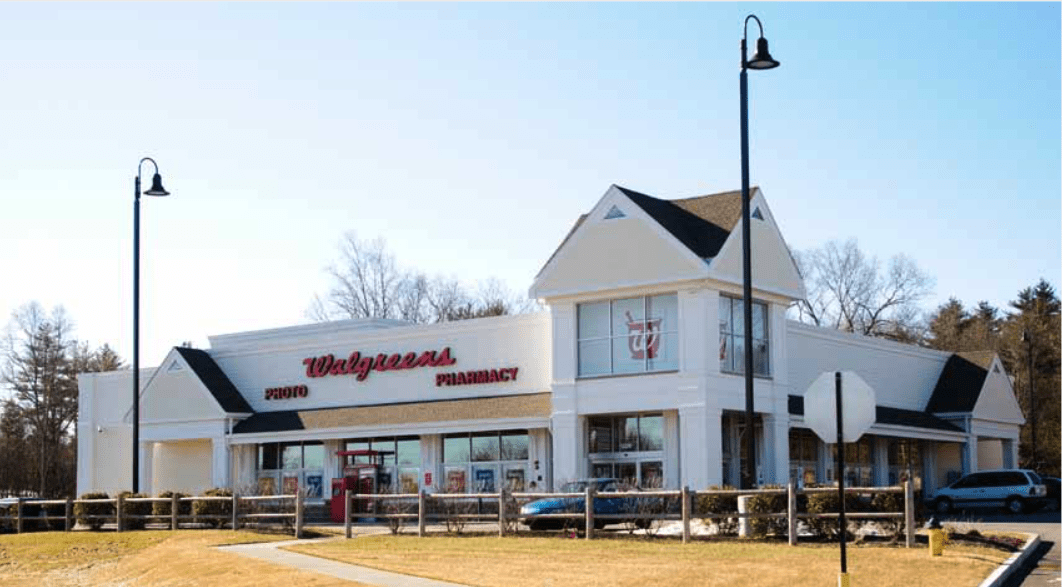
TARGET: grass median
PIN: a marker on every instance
(535, 561)
(144, 558)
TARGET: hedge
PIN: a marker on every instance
(83, 511)
(219, 511)
(136, 508)
(162, 508)
(719, 504)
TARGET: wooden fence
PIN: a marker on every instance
(236, 518)
(686, 498)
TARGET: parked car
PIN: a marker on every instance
(602, 505)
(1016, 490)
(1052, 484)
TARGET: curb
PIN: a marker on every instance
(1012, 564)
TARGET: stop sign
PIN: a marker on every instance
(857, 404)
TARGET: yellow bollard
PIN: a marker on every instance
(843, 580)
(936, 542)
(937, 537)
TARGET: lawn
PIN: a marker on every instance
(143, 558)
(552, 561)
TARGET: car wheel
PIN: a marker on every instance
(1015, 505)
(535, 526)
(942, 505)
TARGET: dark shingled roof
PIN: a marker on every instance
(887, 415)
(960, 383)
(215, 380)
(702, 223)
(530, 405)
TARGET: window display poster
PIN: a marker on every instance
(290, 485)
(514, 478)
(455, 481)
(267, 485)
(313, 485)
(485, 480)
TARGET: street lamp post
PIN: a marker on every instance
(760, 60)
(1026, 337)
(156, 190)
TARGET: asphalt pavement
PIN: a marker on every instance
(1043, 568)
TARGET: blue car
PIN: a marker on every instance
(573, 505)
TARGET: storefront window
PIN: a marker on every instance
(476, 462)
(408, 452)
(627, 447)
(859, 462)
(631, 335)
(291, 467)
(905, 462)
(732, 337)
(399, 458)
(803, 456)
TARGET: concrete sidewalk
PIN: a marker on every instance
(273, 552)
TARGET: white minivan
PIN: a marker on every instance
(1017, 490)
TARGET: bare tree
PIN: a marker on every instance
(369, 283)
(849, 291)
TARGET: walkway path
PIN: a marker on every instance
(273, 552)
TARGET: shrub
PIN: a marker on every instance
(93, 515)
(768, 503)
(162, 508)
(136, 508)
(889, 503)
(216, 512)
(6, 525)
(828, 503)
(719, 504)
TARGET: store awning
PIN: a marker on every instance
(533, 405)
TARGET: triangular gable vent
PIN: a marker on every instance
(614, 213)
(757, 214)
(175, 366)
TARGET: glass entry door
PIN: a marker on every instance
(645, 474)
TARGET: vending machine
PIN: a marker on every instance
(362, 474)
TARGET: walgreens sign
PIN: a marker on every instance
(360, 366)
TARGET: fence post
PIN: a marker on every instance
(235, 508)
(118, 511)
(501, 513)
(18, 515)
(791, 508)
(69, 522)
(908, 513)
(422, 513)
(588, 506)
(346, 512)
(174, 501)
(686, 506)
(298, 514)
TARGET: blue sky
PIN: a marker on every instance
(471, 136)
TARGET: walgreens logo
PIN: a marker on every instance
(360, 366)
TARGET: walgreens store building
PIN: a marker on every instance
(633, 370)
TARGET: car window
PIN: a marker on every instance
(1035, 478)
(994, 480)
(972, 480)
(1015, 478)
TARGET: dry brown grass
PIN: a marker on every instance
(549, 561)
(148, 559)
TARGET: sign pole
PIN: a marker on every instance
(842, 526)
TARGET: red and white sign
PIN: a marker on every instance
(361, 365)
(644, 337)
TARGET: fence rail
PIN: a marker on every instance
(121, 513)
(685, 499)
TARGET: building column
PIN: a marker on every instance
(219, 470)
(147, 452)
(431, 472)
(244, 468)
(569, 459)
(332, 465)
(1010, 453)
(775, 467)
(880, 458)
(701, 450)
(969, 455)
(672, 450)
(929, 467)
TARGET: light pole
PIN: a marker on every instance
(1026, 337)
(156, 190)
(760, 60)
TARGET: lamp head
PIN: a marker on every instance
(156, 187)
(762, 59)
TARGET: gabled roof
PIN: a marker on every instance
(887, 415)
(960, 382)
(215, 380)
(702, 223)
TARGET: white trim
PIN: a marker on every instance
(420, 428)
(898, 431)
(862, 340)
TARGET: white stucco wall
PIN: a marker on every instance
(182, 466)
(902, 376)
(989, 453)
(948, 460)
